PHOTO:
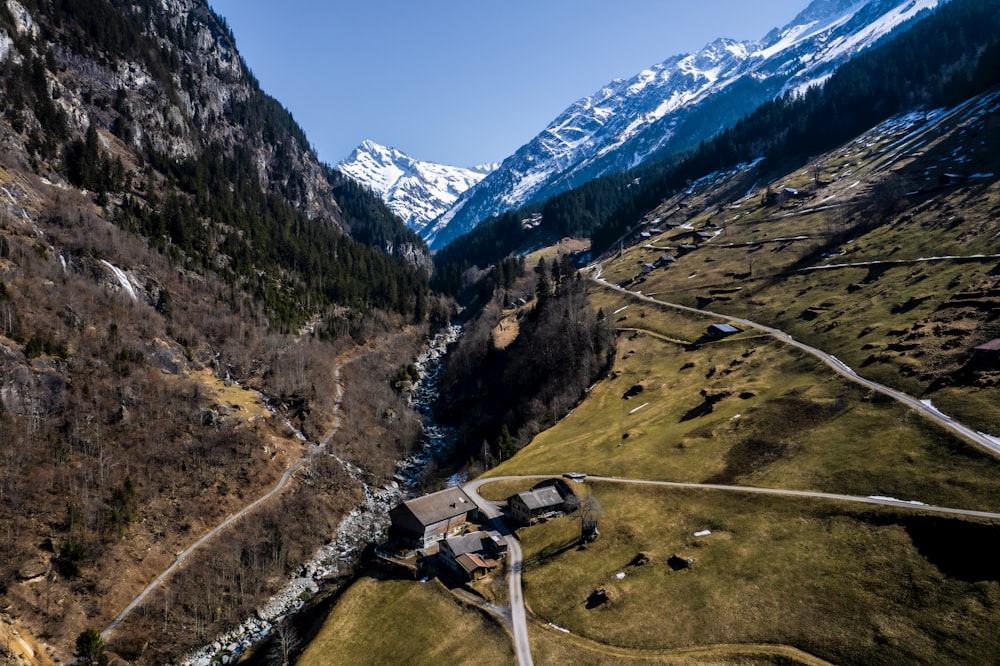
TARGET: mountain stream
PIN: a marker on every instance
(365, 524)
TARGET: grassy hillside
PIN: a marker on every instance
(869, 253)
(852, 262)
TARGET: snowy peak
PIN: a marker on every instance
(672, 106)
(416, 191)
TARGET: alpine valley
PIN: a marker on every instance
(725, 388)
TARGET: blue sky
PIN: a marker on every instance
(464, 82)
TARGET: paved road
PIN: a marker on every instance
(515, 562)
(215, 531)
(991, 444)
(472, 489)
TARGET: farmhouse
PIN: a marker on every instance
(530, 505)
(430, 518)
(471, 556)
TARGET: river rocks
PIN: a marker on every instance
(365, 524)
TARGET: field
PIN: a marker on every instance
(870, 260)
(862, 587)
(406, 622)
(751, 411)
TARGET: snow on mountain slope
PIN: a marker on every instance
(675, 105)
(416, 191)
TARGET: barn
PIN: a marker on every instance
(430, 518)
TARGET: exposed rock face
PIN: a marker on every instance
(201, 104)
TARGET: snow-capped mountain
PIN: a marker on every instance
(416, 191)
(675, 105)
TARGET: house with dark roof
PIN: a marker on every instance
(528, 506)
(430, 518)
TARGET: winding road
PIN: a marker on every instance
(490, 509)
(183, 556)
(515, 561)
(987, 442)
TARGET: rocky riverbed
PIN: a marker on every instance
(368, 523)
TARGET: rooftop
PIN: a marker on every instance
(541, 498)
(440, 506)
(466, 543)
(728, 329)
(470, 562)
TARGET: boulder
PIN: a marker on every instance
(35, 569)
(640, 559)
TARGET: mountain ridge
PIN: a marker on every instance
(674, 105)
(416, 191)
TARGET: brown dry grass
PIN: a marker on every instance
(406, 622)
(848, 586)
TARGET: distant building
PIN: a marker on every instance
(719, 331)
(431, 518)
(648, 268)
(666, 259)
(988, 351)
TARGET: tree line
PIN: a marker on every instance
(499, 399)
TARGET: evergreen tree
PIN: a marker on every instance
(90, 649)
(505, 448)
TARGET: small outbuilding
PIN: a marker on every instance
(474, 566)
(988, 351)
(471, 556)
(719, 331)
(430, 518)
